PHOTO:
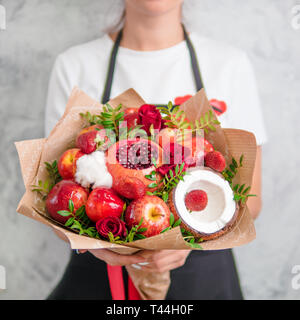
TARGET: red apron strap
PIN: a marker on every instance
(133, 294)
(116, 283)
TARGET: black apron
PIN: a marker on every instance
(206, 275)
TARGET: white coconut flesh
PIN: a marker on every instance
(220, 207)
(91, 170)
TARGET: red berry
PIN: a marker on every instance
(215, 160)
(86, 142)
(196, 200)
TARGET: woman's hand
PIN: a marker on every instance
(163, 260)
(115, 259)
(151, 260)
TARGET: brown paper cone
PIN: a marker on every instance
(34, 153)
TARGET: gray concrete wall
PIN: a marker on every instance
(37, 30)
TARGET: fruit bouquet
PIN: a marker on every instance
(129, 176)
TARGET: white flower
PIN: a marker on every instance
(91, 170)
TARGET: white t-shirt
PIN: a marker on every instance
(160, 76)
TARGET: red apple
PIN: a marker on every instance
(153, 210)
(102, 203)
(58, 199)
(67, 163)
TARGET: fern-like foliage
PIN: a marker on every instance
(241, 192)
(187, 235)
(167, 183)
(78, 220)
(207, 122)
(109, 118)
(176, 118)
(44, 187)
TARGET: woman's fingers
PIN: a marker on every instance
(148, 260)
(164, 260)
(115, 259)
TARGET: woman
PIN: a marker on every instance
(153, 55)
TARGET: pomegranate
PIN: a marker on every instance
(133, 158)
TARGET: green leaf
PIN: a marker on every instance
(46, 185)
(152, 185)
(237, 197)
(80, 211)
(63, 213)
(154, 162)
(151, 176)
(69, 222)
(171, 219)
(195, 245)
(119, 116)
(232, 168)
(177, 223)
(182, 166)
(246, 190)
(71, 205)
(235, 188)
(234, 163)
(230, 174)
(241, 188)
(140, 223)
(165, 196)
(109, 108)
(139, 236)
(166, 229)
(105, 115)
(241, 160)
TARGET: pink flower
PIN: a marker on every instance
(111, 224)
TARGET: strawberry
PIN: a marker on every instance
(89, 142)
(196, 200)
(215, 160)
(130, 187)
(86, 142)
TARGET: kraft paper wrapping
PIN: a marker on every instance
(33, 154)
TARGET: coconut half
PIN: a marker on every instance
(221, 209)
